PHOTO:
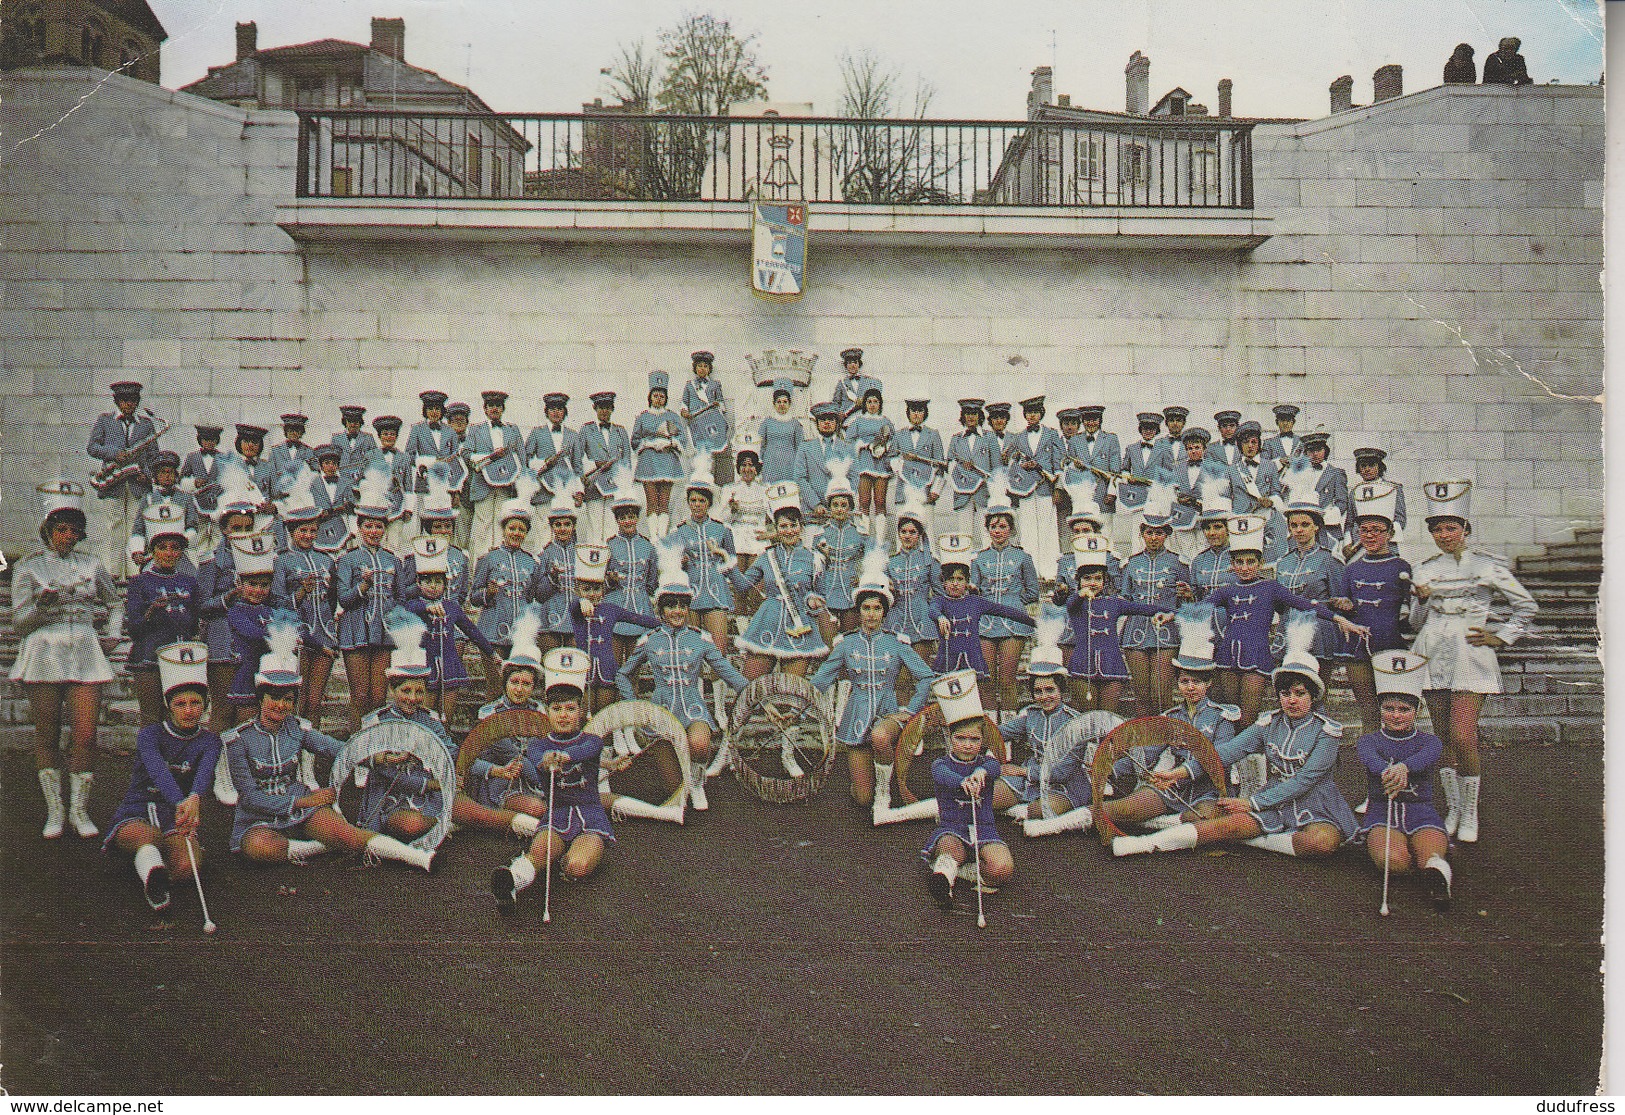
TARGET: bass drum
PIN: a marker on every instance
(1143, 733)
(924, 734)
(395, 738)
(782, 746)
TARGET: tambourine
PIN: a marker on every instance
(805, 731)
(1146, 731)
(402, 737)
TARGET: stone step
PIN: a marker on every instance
(1560, 568)
(1578, 550)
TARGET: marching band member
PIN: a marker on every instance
(778, 635)
(1210, 567)
(302, 582)
(1299, 812)
(599, 446)
(958, 614)
(354, 441)
(279, 818)
(1143, 461)
(1092, 448)
(916, 452)
(249, 450)
(675, 654)
(842, 544)
(1196, 480)
(577, 828)
(501, 582)
(915, 576)
(708, 550)
(971, 458)
(488, 443)
(157, 823)
(965, 779)
(815, 455)
(550, 448)
(462, 509)
(439, 520)
(1399, 762)
(332, 494)
(120, 438)
(161, 607)
(1379, 588)
(197, 477)
(703, 407)
(397, 465)
(632, 572)
(853, 386)
(292, 458)
(1371, 465)
(659, 442)
(781, 437)
(428, 441)
(1172, 443)
(553, 582)
(250, 617)
(1225, 451)
(166, 471)
(54, 594)
(1096, 667)
(745, 501)
(1003, 573)
(1178, 785)
(1453, 590)
(217, 592)
(364, 585)
(1330, 483)
(1083, 520)
(1035, 457)
(594, 620)
(871, 658)
(1020, 787)
(443, 616)
(1284, 444)
(1309, 568)
(496, 776)
(1152, 576)
(871, 432)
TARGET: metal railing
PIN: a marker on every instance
(1181, 162)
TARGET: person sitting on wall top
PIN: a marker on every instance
(1506, 65)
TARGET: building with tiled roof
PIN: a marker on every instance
(121, 35)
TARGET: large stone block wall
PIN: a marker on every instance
(1431, 287)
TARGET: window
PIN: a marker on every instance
(1135, 164)
(476, 162)
(1204, 172)
(498, 186)
(1089, 153)
(92, 45)
(304, 92)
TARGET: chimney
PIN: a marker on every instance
(1065, 100)
(1138, 75)
(1387, 83)
(1342, 94)
(389, 37)
(248, 37)
(1225, 86)
(1043, 90)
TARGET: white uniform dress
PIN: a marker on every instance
(59, 640)
(1460, 590)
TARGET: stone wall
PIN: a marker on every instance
(1431, 286)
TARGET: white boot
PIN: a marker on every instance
(1166, 821)
(387, 847)
(50, 784)
(1177, 839)
(696, 786)
(624, 807)
(882, 786)
(524, 825)
(719, 760)
(224, 792)
(301, 850)
(1279, 842)
(1468, 832)
(1017, 813)
(1074, 820)
(78, 798)
(941, 880)
(149, 866)
(1451, 786)
(1437, 873)
(507, 882)
(307, 767)
(923, 810)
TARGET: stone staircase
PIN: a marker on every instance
(1553, 677)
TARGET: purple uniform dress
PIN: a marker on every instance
(1096, 653)
(175, 619)
(954, 809)
(1413, 807)
(167, 767)
(440, 641)
(248, 623)
(962, 649)
(1381, 590)
(575, 807)
(1249, 610)
(593, 636)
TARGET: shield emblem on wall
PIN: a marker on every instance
(779, 250)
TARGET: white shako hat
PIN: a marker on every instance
(1047, 656)
(161, 518)
(279, 665)
(60, 494)
(1247, 533)
(183, 664)
(592, 561)
(872, 575)
(913, 507)
(1082, 494)
(840, 479)
(747, 440)
(562, 507)
(625, 491)
(1300, 636)
(954, 548)
(1158, 509)
(1216, 503)
(783, 496)
(526, 633)
(1091, 551)
(254, 553)
(565, 666)
(1448, 498)
(409, 659)
(998, 495)
(1196, 637)
(956, 694)
(699, 480)
(513, 509)
(431, 554)
(1399, 671)
(1374, 499)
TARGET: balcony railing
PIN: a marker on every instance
(1189, 162)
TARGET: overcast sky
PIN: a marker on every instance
(545, 55)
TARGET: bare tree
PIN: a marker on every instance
(888, 163)
(634, 75)
(709, 68)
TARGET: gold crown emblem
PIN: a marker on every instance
(794, 365)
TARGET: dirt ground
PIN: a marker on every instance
(793, 949)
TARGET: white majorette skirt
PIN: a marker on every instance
(1453, 663)
(62, 652)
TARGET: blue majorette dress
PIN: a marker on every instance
(632, 561)
(769, 629)
(862, 430)
(842, 545)
(361, 627)
(294, 569)
(1033, 728)
(962, 649)
(1150, 579)
(872, 663)
(509, 572)
(265, 770)
(1413, 807)
(575, 807)
(1302, 754)
(705, 576)
(656, 460)
(916, 577)
(1317, 575)
(553, 586)
(168, 768)
(1215, 721)
(405, 784)
(675, 655)
(781, 439)
(478, 783)
(954, 809)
